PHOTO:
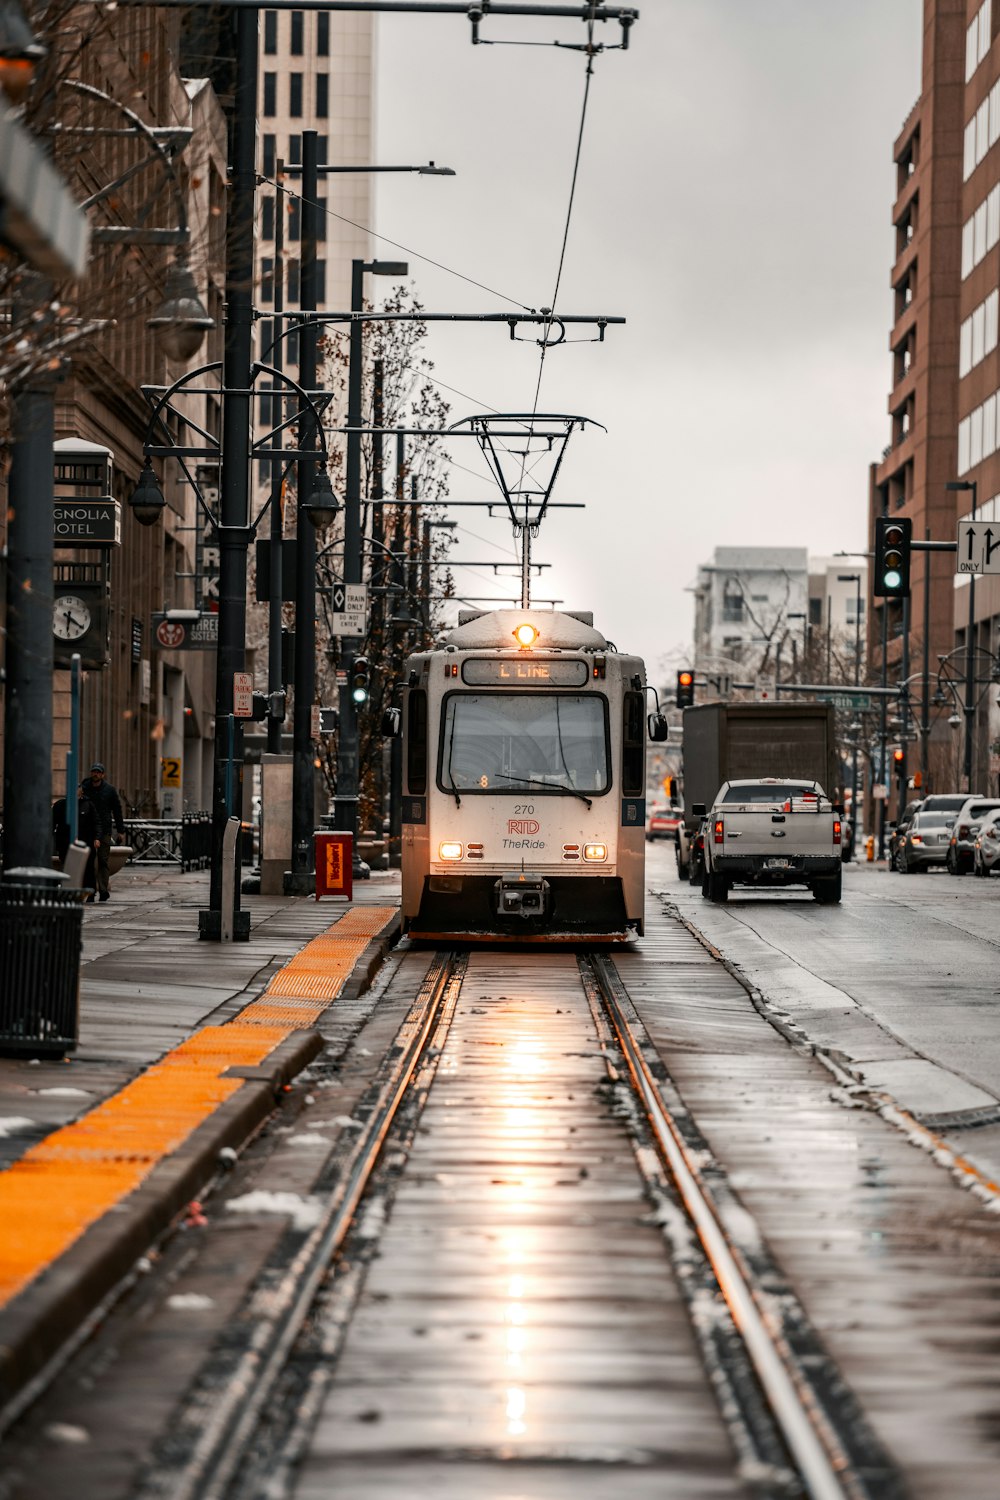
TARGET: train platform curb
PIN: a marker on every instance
(48, 1318)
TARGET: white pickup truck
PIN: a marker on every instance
(772, 831)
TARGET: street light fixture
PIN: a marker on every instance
(322, 507)
(146, 501)
(182, 322)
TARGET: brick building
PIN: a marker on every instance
(946, 371)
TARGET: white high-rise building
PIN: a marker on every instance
(316, 73)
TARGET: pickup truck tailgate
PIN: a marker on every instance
(780, 831)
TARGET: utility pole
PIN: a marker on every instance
(27, 799)
(299, 880)
(925, 702)
(275, 676)
(234, 530)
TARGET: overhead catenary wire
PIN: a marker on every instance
(397, 245)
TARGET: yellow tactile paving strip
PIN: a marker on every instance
(76, 1175)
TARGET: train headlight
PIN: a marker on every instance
(450, 850)
(596, 852)
(526, 635)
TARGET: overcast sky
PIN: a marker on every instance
(733, 204)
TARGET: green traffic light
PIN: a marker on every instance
(892, 579)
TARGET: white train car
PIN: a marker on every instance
(524, 783)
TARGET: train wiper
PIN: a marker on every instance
(451, 774)
(550, 786)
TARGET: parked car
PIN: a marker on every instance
(925, 842)
(663, 823)
(986, 848)
(964, 830)
(897, 831)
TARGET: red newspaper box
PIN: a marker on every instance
(334, 864)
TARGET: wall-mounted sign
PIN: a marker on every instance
(136, 639)
(170, 770)
(87, 522)
(198, 634)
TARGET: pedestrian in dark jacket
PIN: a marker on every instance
(110, 823)
(87, 831)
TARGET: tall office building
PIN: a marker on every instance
(316, 73)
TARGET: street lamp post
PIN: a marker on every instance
(969, 707)
(855, 578)
(348, 779)
(234, 531)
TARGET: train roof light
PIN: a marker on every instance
(526, 635)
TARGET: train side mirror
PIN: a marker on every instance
(699, 810)
(391, 721)
(657, 727)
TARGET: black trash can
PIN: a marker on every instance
(41, 928)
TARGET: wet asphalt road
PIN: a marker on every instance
(904, 973)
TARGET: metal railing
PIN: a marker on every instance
(185, 841)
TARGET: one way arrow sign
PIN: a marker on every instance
(978, 547)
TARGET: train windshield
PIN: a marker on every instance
(502, 742)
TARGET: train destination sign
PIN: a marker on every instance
(524, 672)
(88, 522)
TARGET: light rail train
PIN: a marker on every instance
(524, 782)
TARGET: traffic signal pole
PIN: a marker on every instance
(299, 879)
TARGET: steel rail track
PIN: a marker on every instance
(216, 1424)
(834, 1454)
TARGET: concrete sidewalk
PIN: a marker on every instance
(100, 1140)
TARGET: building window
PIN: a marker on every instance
(294, 218)
(267, 218)
(270, 32)
(296, 47)
(267, 279)
(292, 280)
(292, 347)
(320, 283)
(854, 610)
(270, 94)
(295, 150)
(322, 143)
(295, 95)
(268, 156)
(323, 33)
(732, 606)
(321, 221)
(322, 96)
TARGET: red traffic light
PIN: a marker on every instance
(899, 756)
(685, 679)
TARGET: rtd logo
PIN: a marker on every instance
(522, 825)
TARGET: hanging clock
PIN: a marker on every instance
(80, 623)
(71, 618)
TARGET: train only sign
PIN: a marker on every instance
(978, 547)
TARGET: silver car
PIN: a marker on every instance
(964, 831)
(986, 855)
(926, 842)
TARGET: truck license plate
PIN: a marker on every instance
(777, 864)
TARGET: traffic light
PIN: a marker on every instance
(893, 536)
(899, 762)
(360, 680)
(685, 689)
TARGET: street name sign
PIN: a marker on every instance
(849, 700)
(350, 609)
(978, 547)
